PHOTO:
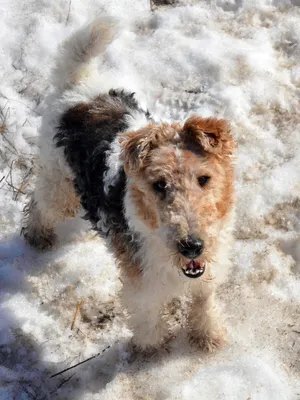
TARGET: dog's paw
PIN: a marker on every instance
(40, 241)
(151, 350)
(151, 344)
(209, 343)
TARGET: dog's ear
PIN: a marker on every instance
(137, 145)
(213, 135)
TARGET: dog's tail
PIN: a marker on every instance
(75, 62)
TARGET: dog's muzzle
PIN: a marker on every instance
(194, 269)
(190, 247)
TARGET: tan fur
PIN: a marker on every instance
(59, 203)
(179, 155)
(144, 209)
(150, 155)
(130, 269)
(211, 133)
(152, 277)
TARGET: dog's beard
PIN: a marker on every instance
(189, 268)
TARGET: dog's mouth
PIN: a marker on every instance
(194, 269)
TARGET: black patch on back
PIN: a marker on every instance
(85, 132)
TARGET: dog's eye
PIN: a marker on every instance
(203, 180)
(160, 187)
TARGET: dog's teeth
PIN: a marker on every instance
(194, 271)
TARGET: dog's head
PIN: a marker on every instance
(180, 186)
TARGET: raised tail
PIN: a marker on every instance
(75, 62)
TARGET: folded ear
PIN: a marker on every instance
(137, 145)
(212, 134)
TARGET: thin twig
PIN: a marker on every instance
(10, 184)
(3, 127)
(14, 188)
(6, 190)
(15, 152)
(24, 183)
(82, 362)
(3, 156)
(18, 101)
(63, 382)
(67, 20)
(11, 178)
(26, 121)
(76, 314)
(4, 117)
(20, 190)
(83, 334)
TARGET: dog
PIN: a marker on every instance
(162, 194)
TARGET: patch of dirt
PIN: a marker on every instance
(164, 2)
(284, 216)
(99, 316)
(176, 312)
(249, 232)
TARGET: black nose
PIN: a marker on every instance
(190, 247)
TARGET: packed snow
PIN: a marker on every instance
(238, 59)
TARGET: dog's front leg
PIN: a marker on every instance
(146, 316)
(204, 322)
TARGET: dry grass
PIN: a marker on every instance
(76, 314)
(14, 159)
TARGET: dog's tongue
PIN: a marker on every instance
(194, 269)
(193, 265)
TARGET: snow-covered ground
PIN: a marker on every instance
(237, 58)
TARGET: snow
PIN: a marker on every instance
(238, 380)
(238, 59)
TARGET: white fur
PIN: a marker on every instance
(77, 80)
(77, 54)
(131, 215)
(103, 224)
(135, 120)
(146, 300)
(113, 163)
(161, 281)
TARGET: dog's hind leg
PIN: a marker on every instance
(53, 201)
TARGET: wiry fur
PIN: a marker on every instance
(103, 150)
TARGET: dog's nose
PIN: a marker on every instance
(190, 247)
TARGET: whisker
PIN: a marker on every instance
(174, 254)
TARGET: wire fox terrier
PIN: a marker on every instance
(161, 194)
